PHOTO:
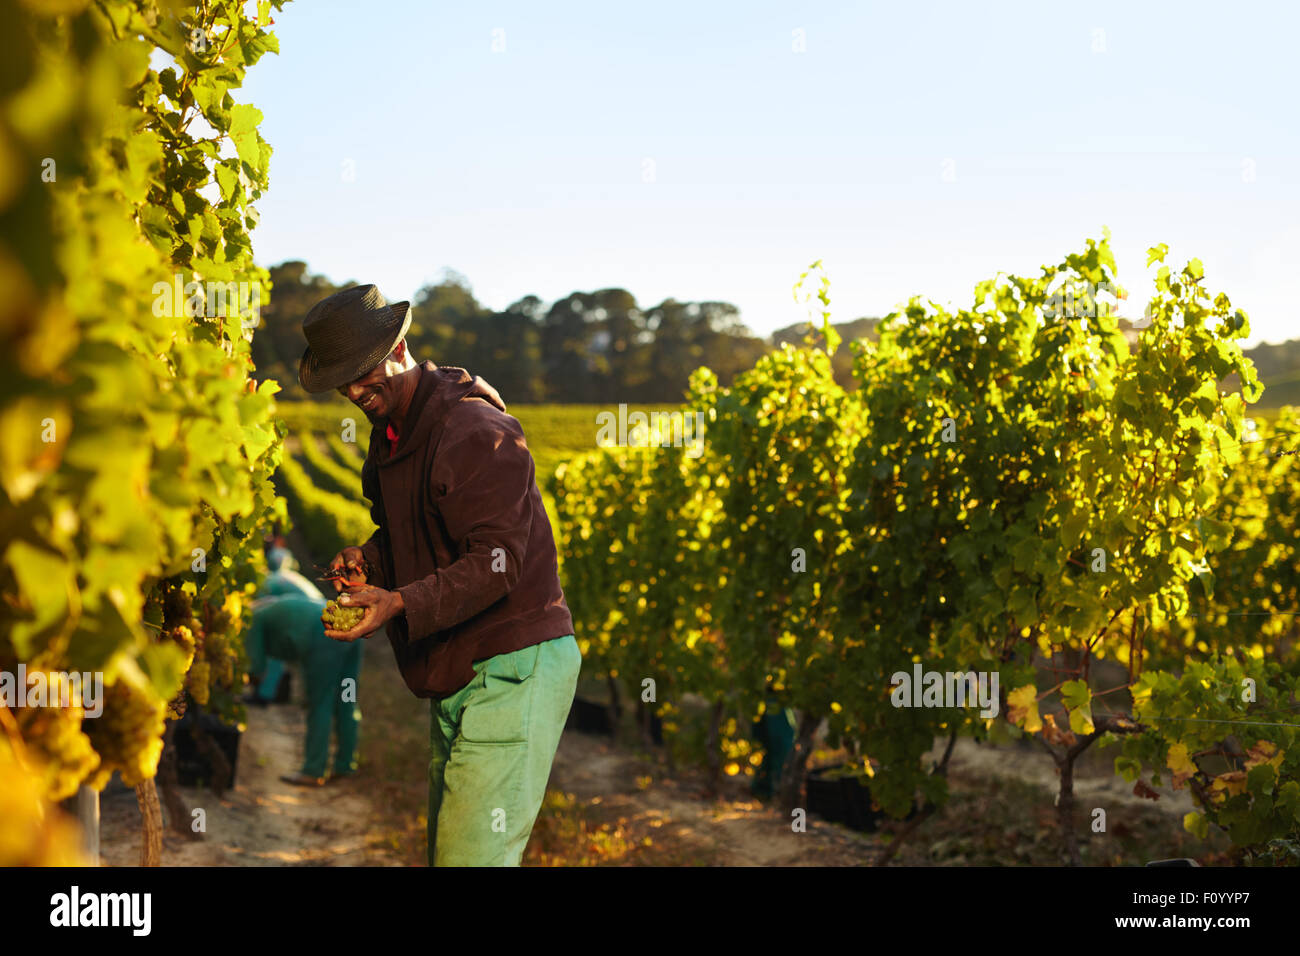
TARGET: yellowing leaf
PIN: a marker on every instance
(1054, 735)
(1264, 751)
(1231, 783)
(1022, 708)
(1181, 764)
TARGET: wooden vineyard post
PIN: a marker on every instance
(88, 817)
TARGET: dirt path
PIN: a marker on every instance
(261, 821)
(637, 801)
(636, 812)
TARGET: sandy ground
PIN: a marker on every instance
(261, 821)
(735, 830)
(264, 822)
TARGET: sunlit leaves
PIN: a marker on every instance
(244, 120)
(1005, 491)
(149, 451)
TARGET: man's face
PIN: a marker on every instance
(374, 393)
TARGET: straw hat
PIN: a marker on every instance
(348, 334)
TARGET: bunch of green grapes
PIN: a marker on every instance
(222, 620)
(177, 606)
(176, 706)
(55, 737)
(127, 735)
(183, 638)
(218, 662)
(199, 680)
(223, 655)
(339, 617)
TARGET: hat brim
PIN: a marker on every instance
(316, 378)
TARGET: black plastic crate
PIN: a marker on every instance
(842, 798)
(825, 796)
(589, 717)
(192, 768)
(592, 717)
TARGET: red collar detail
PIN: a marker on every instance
(393, 437)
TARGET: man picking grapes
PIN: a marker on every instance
(461, 573)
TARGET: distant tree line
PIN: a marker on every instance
(591, 347)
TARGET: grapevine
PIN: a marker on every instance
(1008, 490)
(142, 450)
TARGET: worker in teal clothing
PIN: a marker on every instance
(289, 627)
(283, 575)
(774, 732)
(278, 555)
(283, 579)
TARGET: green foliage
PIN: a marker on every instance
(345, 453)
(1011, 489)
(1222, 710)
(329, 474)
(329, 522)
(555, 433)
(131, 433)
(778, 443)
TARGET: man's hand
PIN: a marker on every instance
(352, 562)
(381, 606)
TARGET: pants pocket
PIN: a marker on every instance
(498, 712)
(516, 666)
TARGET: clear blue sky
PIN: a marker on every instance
(916, 147)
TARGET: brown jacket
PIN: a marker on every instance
(460, 487)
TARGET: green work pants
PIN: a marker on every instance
(775, 733)
(270, 685)
(493, 743)
(328, 664)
